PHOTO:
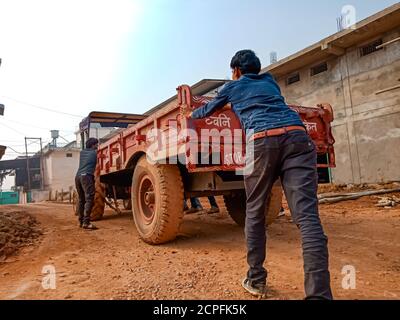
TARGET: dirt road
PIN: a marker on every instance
(207, 261)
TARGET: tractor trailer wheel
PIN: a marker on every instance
(157, 201)
(236, 205)
(99, 200)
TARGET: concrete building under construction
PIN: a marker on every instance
(357, 71)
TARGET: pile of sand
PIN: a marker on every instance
(17, 229)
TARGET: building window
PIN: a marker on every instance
(319, 69)
(293, 79)
(371, 48)
(69, 155)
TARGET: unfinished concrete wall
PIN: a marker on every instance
(367, 117)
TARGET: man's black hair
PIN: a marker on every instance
(91, 142)
(246, 61)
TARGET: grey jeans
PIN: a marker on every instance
(85, 186)
(292, 158)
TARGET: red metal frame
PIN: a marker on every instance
(116, 154)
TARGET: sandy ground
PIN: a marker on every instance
(207, 261)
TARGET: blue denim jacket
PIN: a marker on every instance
(256, 100)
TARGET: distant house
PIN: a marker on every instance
(53, 171)
(60, 165)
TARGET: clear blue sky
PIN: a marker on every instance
(76, 56)
(184, 41)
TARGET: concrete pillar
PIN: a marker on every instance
(351, 133)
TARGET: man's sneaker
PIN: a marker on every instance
(213, 210)
(89, 226)
(258, 290)
(80, 224)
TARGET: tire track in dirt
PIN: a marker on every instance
(207, 261)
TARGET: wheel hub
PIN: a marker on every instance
(147, 199)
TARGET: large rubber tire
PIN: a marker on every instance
(236, 205)
(157, 201)
(99, 200)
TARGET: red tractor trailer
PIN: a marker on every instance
(157, 160)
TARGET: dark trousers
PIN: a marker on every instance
(213, 201)
(292, 158)
(195, 203)
(86, 191)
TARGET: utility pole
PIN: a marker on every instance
(1, 105)
(28, 173)
(41, 166)
(28, 167)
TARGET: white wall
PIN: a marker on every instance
(39, 196)
(60, 171)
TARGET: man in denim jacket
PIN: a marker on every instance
(282, 150)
